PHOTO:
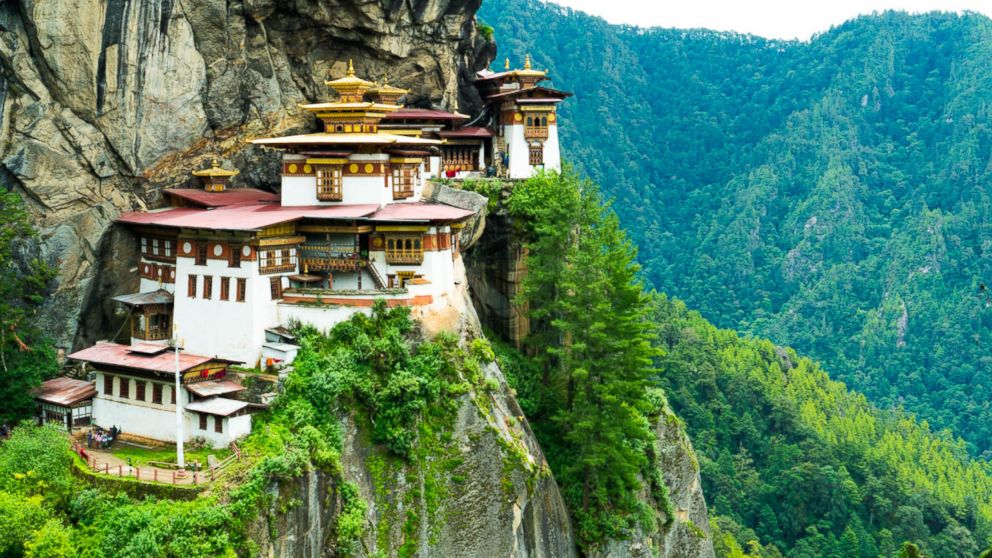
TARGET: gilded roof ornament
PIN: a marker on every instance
(507, 64)
(527, 61)
(215, 171)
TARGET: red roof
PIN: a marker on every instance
(423, 114)
(121, 356)
(220, 199)
(419, 211)
(243, 217)
(545, 91)
(64, 391)
(469, 132)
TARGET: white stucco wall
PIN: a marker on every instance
(365, 190)
(322, 318)
(224, 328)
(516, 147)
(299, 190)
(552, 149)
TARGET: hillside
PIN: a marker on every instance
(830, 195)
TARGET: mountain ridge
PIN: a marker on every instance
(830, 195)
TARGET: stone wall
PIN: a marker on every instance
(105, 102)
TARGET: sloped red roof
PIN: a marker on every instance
(418, 211)
(546, 92)
(243, 217)
(220, 199)
(424, 114)
(468, 132)
(64, 391)
(114, 354)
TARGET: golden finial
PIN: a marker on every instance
(527, 62)
(507, 65)
(385, 80)
(351, 68)
(216, 163)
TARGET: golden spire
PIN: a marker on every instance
(351, 68)
(215, 164)
(507, 64)
(527, 62)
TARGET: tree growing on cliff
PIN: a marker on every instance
(592, 334)
(25, 358)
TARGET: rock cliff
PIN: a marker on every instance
(105, 102)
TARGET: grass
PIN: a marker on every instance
(141, 456)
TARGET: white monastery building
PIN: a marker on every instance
(230, 269)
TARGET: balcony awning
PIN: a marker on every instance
(160, 296)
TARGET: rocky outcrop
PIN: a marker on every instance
(105, 102)
(495, 273)
(480, 487)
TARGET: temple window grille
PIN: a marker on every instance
(329, 179)
(404, 250)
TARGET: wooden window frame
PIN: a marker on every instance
(535, 154)
(203, 421)
(404, 249)
(156, 393)
(225, 288)
(404, 178)
(275, 287)
(276, 261)
(218, 424)
(330, 182)
(234, 257)
(242, 289)
(123, 388)
(191, 286)
(201, 254)
(139, 390)
(208, 287)
(108, 384)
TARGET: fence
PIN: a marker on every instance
(153, 474)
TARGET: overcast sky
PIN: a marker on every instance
(781, 19)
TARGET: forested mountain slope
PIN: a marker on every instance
(830, 195)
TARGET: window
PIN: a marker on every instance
(139, 390)
(459, 158)
(241, 290)
(275, 287)
(168, 248)
(403, 179)
(273, 261)
(208, 286)
(234, 258)
(201, 253)
(404, 249)
(154, 246)
(123, 388)
(219, 425)
(157, 393)
(172, 398)
(203, 421)
(225, 288)
(536, 154)
(191, 287)
(329, 183)
(108, 384)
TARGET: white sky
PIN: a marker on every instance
(781, 19)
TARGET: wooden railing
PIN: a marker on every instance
(405, 256)
(536, 132)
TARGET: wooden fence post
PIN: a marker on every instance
(155, 475)
(173, 477)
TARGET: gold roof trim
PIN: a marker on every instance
(215, 170)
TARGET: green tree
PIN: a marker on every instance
(25, 357)
(592, 333)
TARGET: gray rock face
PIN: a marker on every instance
(481, 488)
(105, 102)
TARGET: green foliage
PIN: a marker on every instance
(795, 460)
(588, 387)
(26, 358)
(831, 195)
(36, 461)
(53, 540)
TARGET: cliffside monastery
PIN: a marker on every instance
(225, 271)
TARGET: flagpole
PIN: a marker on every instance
(180, 457)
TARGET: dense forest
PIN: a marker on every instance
(793, 463)
(830, 195)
